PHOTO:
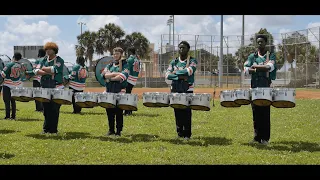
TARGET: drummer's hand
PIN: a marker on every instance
(253, 66)
(174, 72)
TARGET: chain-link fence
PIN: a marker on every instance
(297, 56)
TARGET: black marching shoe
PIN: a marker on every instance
(6, 118)
(118, 133)
(109, 133)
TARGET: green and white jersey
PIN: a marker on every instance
(134, 68)
(257, 59)
(78, 77)
(35, 66)
(179, 66)
(12, 75)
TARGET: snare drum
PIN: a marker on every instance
(26, 94)
(15, 93)
(162, 99)
(42, 94)
(62, 96)
(107, 100)
(262, 96)
(284, 98)
(179, 100)
(200, 102)
(80, 99)
(227, 99)
(91, 99)
(149, 99)
(128, 102)
(242, 96)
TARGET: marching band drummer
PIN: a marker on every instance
(12, 78)
(51, 72)
(78, 78)
(36, 79)
(263, 70)
(182, 76)
(115, 75)
(134, 68)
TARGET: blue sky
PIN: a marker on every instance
(36, 30)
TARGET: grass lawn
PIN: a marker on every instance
(220, 136)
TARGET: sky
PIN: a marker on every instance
(63, 29)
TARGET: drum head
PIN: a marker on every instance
(283, 104)
(262, 102)
(127, 107)
(199, 108)
(242, 101)
(149, 104)
(26, 66)
(62, 101)
(106, 105)
(41, 99)
(229, 104)
(101, 64)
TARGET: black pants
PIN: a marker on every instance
(76, 108)
(39, 106)
(128, 91)
(261, 114)
(7, 101)
(115, 114)
(51, 110)
(261, 122)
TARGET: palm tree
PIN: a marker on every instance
(140, 42)
(109, 36)
(87, 41)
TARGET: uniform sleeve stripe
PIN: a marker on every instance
(122, 76)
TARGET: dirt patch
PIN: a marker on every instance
(301, 94)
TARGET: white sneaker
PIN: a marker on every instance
(264, 142)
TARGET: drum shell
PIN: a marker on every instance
(162, 99)
(128, 102)
(61, 96)
(200, 102)
(26, 94)
(16, 93)
(42, 94)
(107, 100)
(179, 100)
(262, 96)
(149, 99)
(227, 99)
(242, 96)
(284, 98)
(80, 99)
(91, 99)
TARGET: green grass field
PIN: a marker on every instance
(220, 136)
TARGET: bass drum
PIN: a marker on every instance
(26, 66)
(101, 64)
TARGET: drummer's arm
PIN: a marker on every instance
(267, 67)
(122, 76)
(189, 71)
(170, 74)
(248, 64)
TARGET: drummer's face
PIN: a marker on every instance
(50, 52)
(116, 55)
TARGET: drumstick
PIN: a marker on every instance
(188, 60)
(120, 65)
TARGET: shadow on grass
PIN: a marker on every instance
(7, 131)
(84, 113)
(130, 138)
(292, 146)
(28, 120)
(2, 109)
(64, 136)
(6, 156)
(203, 141)
(144, 114)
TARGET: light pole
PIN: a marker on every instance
(169, 22)
(81, 23)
